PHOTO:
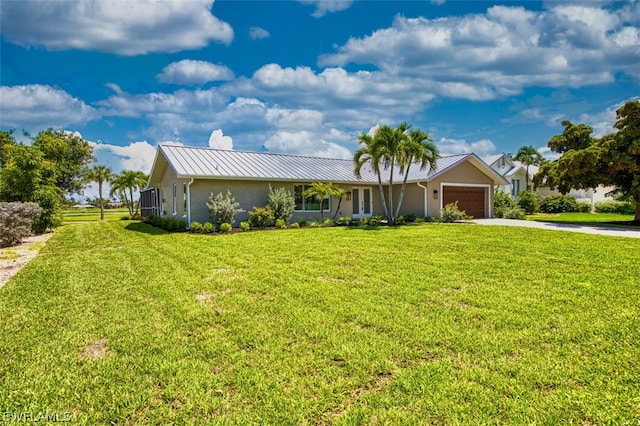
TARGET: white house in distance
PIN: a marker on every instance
(182, 179)
(515, 173)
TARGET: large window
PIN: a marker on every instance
(515, 186)
(184, 199)
(175, 199)
(309, 204)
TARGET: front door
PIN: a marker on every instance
(362, 202)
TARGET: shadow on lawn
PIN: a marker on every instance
(145, 228)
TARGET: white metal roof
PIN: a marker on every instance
(197, 162)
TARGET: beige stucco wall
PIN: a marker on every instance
(465, 173)
(252, 194)
(167, 181)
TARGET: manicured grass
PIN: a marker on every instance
(119, 322)
(92, 215)
(609, 219)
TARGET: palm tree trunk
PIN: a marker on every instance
(526, 178)
(337, 208)
(390, 219)
(101, 201)
(404, 186)
(637, 200)
(131, 202)
(384, 202)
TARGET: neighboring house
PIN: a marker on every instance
(591, 195)
(182, 179)
(513, 171)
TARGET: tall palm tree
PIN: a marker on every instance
(528, 155)
(100, 175)
(390, 142)
(370, 153)
(132, 181)
(417, 148)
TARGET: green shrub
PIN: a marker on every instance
(584, 207)
(167, 223)
(559, 204)
(344, 221)
(302, 223)
(401, 220)
(420, 220)
(208, 228)
(327, 223)
(16, 220)
(225, 227)
(612, 206)
(451, 213)
(125, 217)
(502, 202)
(375, 220)
(529, 201)
(280, 224)
(245, 226)
(223, 208)
(514, 213)
(195, 227)
(49, 199)
(261, 217)
(313, 224)
(282, 203)
(295, 225)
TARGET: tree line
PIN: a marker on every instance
(57, 164)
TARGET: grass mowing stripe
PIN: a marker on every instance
(433, 323)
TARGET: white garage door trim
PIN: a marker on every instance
(488, 201)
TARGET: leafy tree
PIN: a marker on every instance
(129, 181)
(70, 154)
(100, 175)
(6, 141)
(587, 162)
(529, 156)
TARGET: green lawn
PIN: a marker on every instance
(609, 219)
(92, 215)
(118, 322)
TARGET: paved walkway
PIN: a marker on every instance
(597, 230)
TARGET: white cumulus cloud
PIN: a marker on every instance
(324, 6)
(125, 27)
(257, 33)
(190, 71)
(41, 106)
(134, 156)
(460, 146)
(220, 141)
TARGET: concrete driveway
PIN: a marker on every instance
(597, 230)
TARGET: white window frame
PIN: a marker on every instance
(184, 199)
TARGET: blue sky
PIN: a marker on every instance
(306, 77)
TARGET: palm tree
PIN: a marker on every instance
(417, 148)
(369, 153)
(384, 151)
(320, 190)
(132, 181)
(528, 155)
(100, 174)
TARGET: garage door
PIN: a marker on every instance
(470, 199)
